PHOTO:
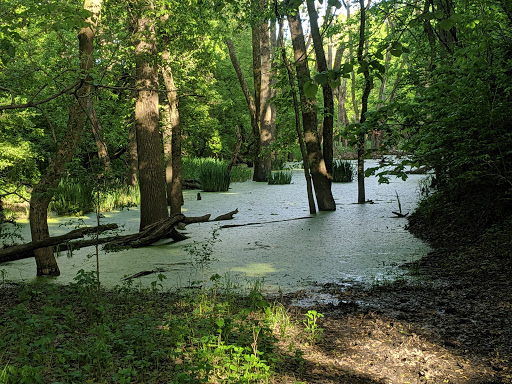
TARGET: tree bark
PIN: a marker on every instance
(265, 109)
(318, 170)
(251, 103)
(174, 165)
(328, 121)
(153, 205)
(97, 131)
(131, 157)
(296, 108)
(43, 191)
(355, 104)
(361, 146)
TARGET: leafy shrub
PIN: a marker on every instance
(342, 171)
(280, 177)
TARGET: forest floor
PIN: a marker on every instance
(451, 324)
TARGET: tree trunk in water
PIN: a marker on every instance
(319, 175)
(352, 74)
(296, 108)
(328, 122)
(131, 157)
(361, 147)
(265, 109)
(173, 172)
(153, 205)
(43, 191)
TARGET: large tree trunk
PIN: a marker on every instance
(43, 191)
(296, 108)
(172, 138)
(361, 146)
(318, 170)
(153, 205)
(328, 122)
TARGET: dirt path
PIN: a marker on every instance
(453, 325)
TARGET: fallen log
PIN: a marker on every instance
(8, 254)
(263, 222)
(163, 229)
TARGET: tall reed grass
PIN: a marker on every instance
(75, 197)
(192, 169)
(342, 171)
(214, 176)
(280, 177)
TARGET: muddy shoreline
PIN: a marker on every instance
(451, 324)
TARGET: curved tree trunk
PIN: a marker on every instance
(153, 205)
(43, 191)
(318, 170)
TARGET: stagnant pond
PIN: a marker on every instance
(355, 243)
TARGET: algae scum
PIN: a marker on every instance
(289, 250)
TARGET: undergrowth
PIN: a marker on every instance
(79, 333)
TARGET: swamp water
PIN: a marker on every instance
(290, 250)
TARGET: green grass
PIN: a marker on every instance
(192, 169)
(342, 171)
(74, 197)
(280, 177)
(79, 333)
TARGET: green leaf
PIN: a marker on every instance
(439, 15)
(379, 56)
(414, 23)
(406, 50)
(335, 3)
(335, 83)
(310, 89)
(333, 75)
(348, 67)
(321, 78)
(220, 323)
(446, 24)
(456, 18)
(396, 52)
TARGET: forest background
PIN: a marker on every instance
(149, 82)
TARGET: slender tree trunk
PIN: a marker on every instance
(153, 205)
(251, 104)
(131, 157)
(97, 131)
(318, 170)
(361, 147)
(265, 109)
(296, 108)
(43, 191)
(355, 104)
(328, 121)
(174, 174)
